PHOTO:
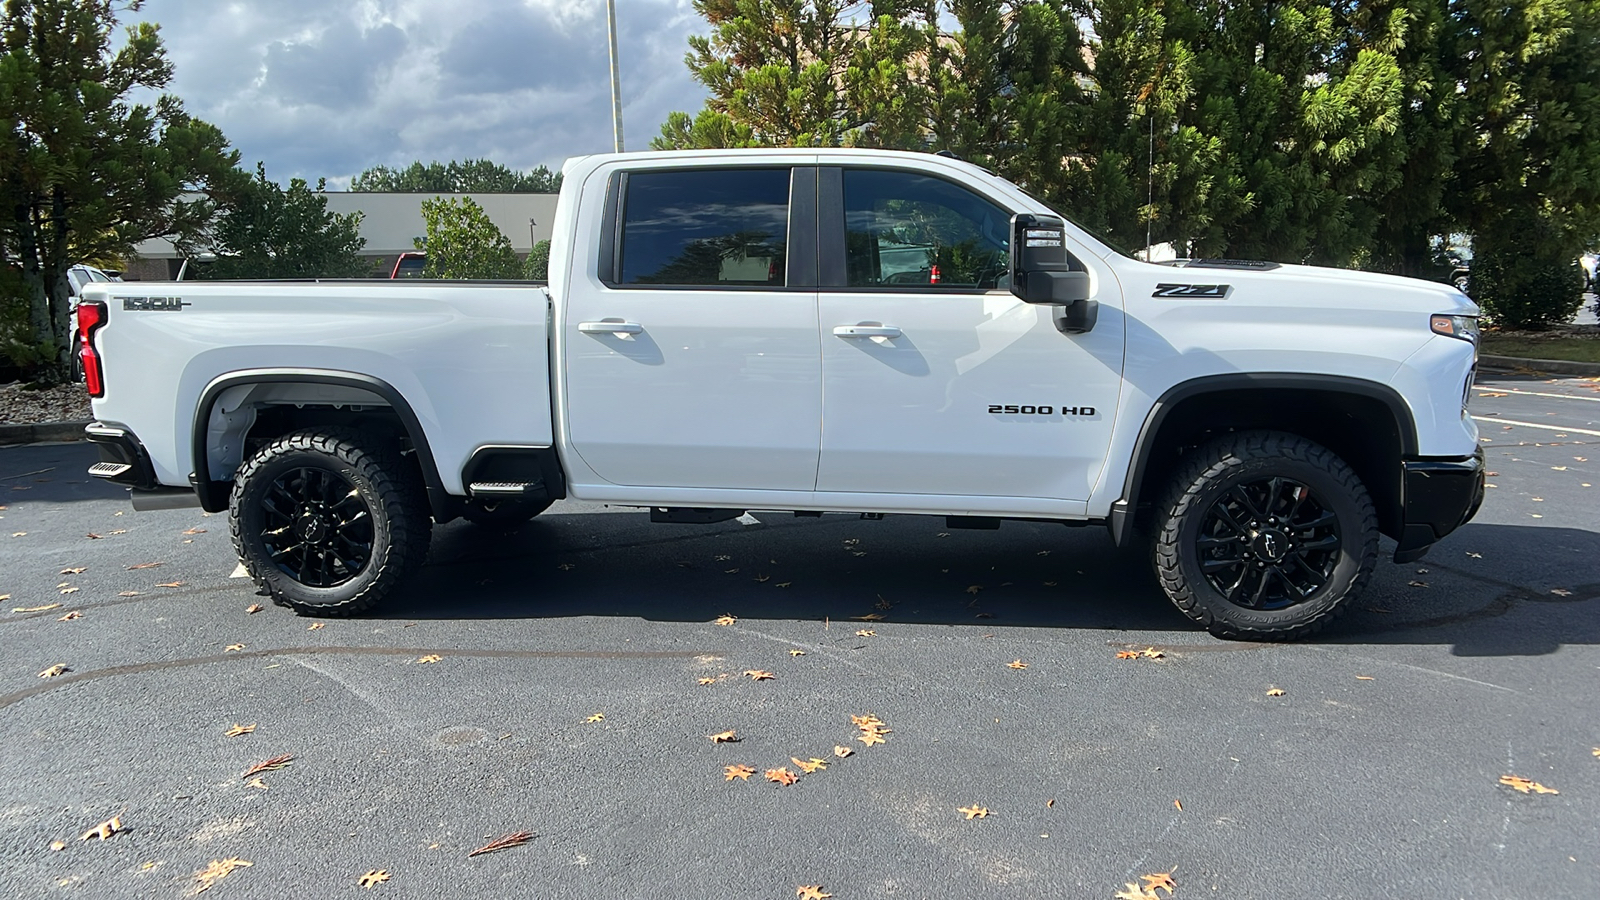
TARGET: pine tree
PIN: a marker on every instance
(269, 232)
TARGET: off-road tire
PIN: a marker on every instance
(389, 487)
(1206, 476)
(504, 514)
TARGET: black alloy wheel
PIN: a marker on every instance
(1268, 544)
(316, 527)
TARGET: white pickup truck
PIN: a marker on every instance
(809, 331)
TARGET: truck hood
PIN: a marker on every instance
(1318, 285)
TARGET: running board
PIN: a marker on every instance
(109, 469)
(505, 488)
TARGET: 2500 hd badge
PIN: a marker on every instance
(1006, 409)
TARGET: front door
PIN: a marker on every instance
(692, 361)
(936, 379)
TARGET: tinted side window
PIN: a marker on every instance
(903, 229)
(719, 227)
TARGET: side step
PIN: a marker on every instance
(109, 469)
(505, 488)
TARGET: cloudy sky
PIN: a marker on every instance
(327, 88)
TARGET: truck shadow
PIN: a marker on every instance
(1528, 591)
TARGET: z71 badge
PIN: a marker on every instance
(1203, 291)
(155, 304)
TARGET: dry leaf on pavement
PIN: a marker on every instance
(315, 625)
(47, 606)
(254, 608)
(104, 830)
(707, 681)
(870, 617)
(783, 584)
(277, 762)
(58, 845)
(79, 570)
(1160, 881)
(974, 811)
(256, 783)
(171, 584)
(195, 531)
(1275, 692)
(1134, 892)
(759, 674)
(729, 773)
(1526, 786)
(781, 776)
(430, 658)
(217, 870)
(71, 616)
(796, 652)
(870, 737)
(809, 766)
(54, 671)
(238, 729)
(724, 737)
(232, 648)
(373, 878)
(842, 751)
(1016, 664)
(866, 632)
(725, 619)
(597, 717)
(504, 842)
(811, 892)
(148, 565)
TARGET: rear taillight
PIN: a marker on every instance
(91, 315)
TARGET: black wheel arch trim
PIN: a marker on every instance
(1121, 519)
(214, 494)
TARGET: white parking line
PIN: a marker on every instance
(1535, 425)
(1493, 391)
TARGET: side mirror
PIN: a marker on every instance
(1041, 271)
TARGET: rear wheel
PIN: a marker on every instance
(1265, 536)
(327, 521)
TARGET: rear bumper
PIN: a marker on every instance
(123, 461)
(1439, 496)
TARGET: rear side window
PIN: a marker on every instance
(910, 231)
(714, 227)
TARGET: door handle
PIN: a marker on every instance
(610, 326)
(849, 331)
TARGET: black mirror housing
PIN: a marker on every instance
(1041, 269)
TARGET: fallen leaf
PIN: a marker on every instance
(759, 675)
(708, 681)
(1134, 892)
(35, 608)
(1559, 468)
(974, 811)
(77, 571)
(566, 567)
(724, 737)
(1152, 653)
(943, 534)
(150, 565)
(730, 571)
(254, 608)
(373, 878)
(217, 870)
(195, 531)
(504, 842)
(725, 619)
(973, 589)
(1178, 804)
(232, 647)
(238, 729)
(1050, 804)
(58, 845)
(171, 584)
(866, 632)
(1415, 583)
(1561, 592)
(870, 737)
(809, 766)
(794, 651)
(597, 717)
(811, 892)
(729, 773)
(91, 535)
(870, 617)
(883, 604)
(104, 830)
(55, 670)
(762, 579)
(842, 751)
(783, 584)
(69, 590)
(1127, 654)
(1523, 785)
(781, 776)
(1159, 881)
(984, 615)
(315, 625)
(430, 658)
(1275, 692)
(273, 764)
(71, 616)
(127, 593)
(1016, 664)
(1043, 553)
(1475, 555)
(1363, 677)
(256, 783)
(118, 531)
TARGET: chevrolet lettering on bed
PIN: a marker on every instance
(812, 330)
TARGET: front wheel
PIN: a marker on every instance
(1265, 536)
(327, 521)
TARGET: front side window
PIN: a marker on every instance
(909, 230)
(714, 227)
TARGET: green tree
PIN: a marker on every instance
(269, 232)
(1526, 181)
(472, 176)
(537, 266)
(85, 172)
(462, 242)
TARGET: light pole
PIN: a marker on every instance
(616, 87)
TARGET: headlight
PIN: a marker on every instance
(1463, 327)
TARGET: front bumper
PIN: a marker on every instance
(1438, 496)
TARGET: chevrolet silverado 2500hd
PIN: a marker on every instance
(809, 330)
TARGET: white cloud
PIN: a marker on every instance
(322, 89)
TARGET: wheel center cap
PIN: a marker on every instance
(311, 528)
(1271, 545)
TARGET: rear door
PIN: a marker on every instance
(936, 378)
(692, 358)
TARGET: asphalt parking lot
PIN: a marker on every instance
(564, 679)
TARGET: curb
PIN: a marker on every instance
(1545, 366)
(45, 431)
